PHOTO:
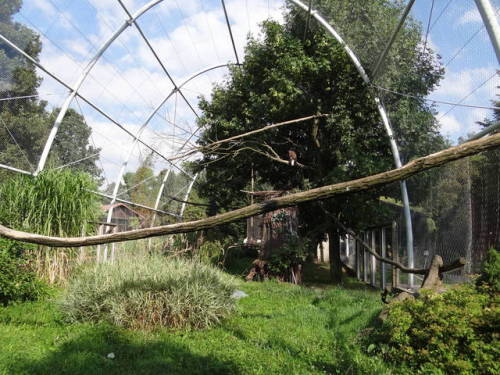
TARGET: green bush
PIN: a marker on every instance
(211, 252)
(149, 292)
(490, 277)
(18, 282)
(451, 333)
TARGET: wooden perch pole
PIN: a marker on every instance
(324, 192)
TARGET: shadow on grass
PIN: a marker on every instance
(87, 355)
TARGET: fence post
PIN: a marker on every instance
(357, 263)
(98, 251)
(384, 254)
(366, 237)
(395, 254)
(373, 263)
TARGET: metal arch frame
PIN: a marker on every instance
(490, 21)
(386, 123)
(81, 80)
(137, 137)
(134, 21)
(86, 100)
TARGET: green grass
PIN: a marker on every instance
(278, 329)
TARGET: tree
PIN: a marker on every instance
(286, 75)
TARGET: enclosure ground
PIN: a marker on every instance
(278, 329)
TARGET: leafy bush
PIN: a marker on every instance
(294, 251)
(150, 292)
(18, 281)
(451, 333)
(491, 271)
(211, 252)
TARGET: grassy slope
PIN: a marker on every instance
(279, 329)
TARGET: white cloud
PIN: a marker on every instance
(471, 16)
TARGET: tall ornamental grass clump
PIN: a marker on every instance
(150, 292)
(56, 202)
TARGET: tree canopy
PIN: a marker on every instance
(288, 74)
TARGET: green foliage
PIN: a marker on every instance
(150, 292)
(279, 329)
(292, 252)
(451, 333)
(490, 276)
(56, 202)
(18, 282)
(211, 252)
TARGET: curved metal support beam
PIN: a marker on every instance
(385, 120)
(490, 20)
(186, 196)
(81, 79)
(134, 21)
(119, 177)
(86, 100)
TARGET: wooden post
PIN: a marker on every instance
(373, 261)
(383, 251)
(395, 254)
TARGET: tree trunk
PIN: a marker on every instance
(334, 252)
(323, 192)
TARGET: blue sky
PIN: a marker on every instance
(190, 35)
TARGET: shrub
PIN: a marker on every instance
(490, 276)
(211, 252)
(150, 292)
(451, 333)
(18, 282)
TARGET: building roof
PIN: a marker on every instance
(107, 207)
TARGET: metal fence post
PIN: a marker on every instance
(384, 254)
(373, 262)
(395, 254)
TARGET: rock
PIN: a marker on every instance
(237, 294)
(111, 356)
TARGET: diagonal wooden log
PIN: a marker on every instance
(324, 192)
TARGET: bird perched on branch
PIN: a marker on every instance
(292, 157)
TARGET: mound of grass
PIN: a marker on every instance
(150, 292)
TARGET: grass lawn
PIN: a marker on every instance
(278, 329)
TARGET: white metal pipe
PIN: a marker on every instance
(385, 121)
(183, 207)
(17, 170)
(490, 20)
(81, 79)
(141, 129)
(86, 100)
(395, 33)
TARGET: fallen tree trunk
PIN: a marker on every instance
(324, 192)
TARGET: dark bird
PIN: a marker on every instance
(292, 157)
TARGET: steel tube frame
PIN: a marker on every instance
(490, 20)
(395, 33)
(81, 79)
(385, 121)
(134, 21)
(94, 106)
(141, 129)
(230, 31)
(186, 196)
